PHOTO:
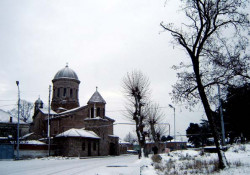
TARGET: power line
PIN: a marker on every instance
(8, 105)
(124, 110)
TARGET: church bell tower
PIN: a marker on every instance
(65, 90)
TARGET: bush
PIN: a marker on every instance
(156, 158)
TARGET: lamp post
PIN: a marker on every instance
(48, 134)
(18, 111)
(221, 117)
(174, 117)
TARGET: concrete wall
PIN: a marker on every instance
(25, 154)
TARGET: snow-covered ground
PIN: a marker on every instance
(189, 162)
(119, 165)
(176, 162)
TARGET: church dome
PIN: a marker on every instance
(66, 73)
(39, 101)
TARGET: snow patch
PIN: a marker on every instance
(79, 133)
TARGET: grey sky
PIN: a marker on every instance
(101, 40)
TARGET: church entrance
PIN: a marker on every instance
(89, 148)
(112, 149)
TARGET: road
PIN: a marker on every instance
(118, 165)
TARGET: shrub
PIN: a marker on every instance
(156, 158)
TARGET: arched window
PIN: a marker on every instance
(58, 92)
(71, 93)
(64, 92)
(92, 112)
(98, 112)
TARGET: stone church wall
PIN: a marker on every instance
(77, 147)
(67, 99)
(64, 123)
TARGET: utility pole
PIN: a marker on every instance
(48, 122)
(174, 118)
(18, 120)
(221, 118)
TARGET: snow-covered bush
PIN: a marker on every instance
(238, 148)
(156, 158)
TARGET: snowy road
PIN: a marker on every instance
(120, 165)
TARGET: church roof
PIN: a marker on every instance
(46, 111)
(5, 118)
(96, 98)
(72, 110)
(79, 133)
(66, 73)
(39, 101)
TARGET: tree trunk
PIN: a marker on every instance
(208, 111)
(155, 138)
(139, 126)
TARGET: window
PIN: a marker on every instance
(92, 112)
(58, 92)
(83, 146)
(98, 112)
(103, 112)
(71, 93)
(64, 92)
(94, 146)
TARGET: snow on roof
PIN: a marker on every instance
(108, 118)
(5, 118)
(113, 136)
(71, 110)
(99, 118)
(26, 135)
(79, 133)
(177, 141)
(32, 142)
(45, 111)
(96, 118)
(123, 142)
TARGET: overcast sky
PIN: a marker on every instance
(101, 40)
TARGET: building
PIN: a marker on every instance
(8, 134)
(76, 130)
(8, 127)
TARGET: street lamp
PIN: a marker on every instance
(18, 104)
(221, 117)
(174, 117)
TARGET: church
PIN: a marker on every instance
(75, 130)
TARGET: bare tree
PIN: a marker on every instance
(136, 89)
(154, 118)
(25, 110)
(130, 138)
(213, 38)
